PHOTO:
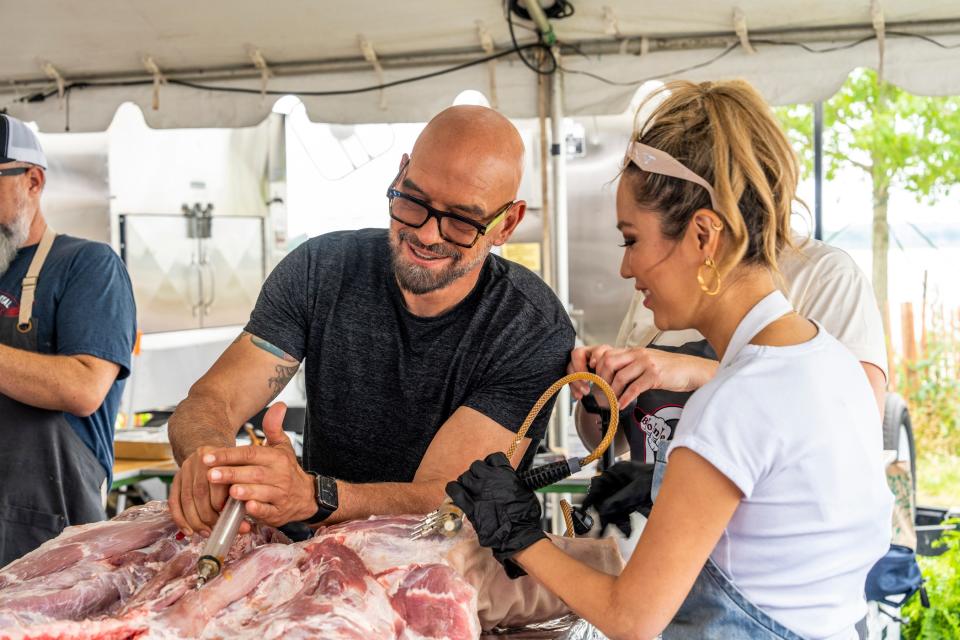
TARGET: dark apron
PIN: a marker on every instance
(652, 418)
(49, 479)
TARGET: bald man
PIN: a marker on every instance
(424, 351)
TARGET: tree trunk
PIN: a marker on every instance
(881, 195)
(881, 246)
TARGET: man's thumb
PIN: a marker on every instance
(273, 426)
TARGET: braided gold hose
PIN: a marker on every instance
(447, 518)
(567, 511)
(549, 393)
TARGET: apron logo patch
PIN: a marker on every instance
(9, 305)
(657, 427)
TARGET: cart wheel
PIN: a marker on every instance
(898, 433)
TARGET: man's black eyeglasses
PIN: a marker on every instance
(14, 171)
(459, 230)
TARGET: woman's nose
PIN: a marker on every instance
(625, 272)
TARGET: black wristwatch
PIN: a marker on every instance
(325, 493)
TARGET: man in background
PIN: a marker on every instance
(67, 327)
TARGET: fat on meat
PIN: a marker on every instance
(79, 584)
(338, 598)
(383, 543)
(134, 576)
(434, 601)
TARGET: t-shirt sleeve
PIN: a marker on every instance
(637, 328)
(281, 315)
(96, 314)
(520, 375)
(846, 307)
(737, 447)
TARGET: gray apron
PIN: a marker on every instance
(715, 608)
(49, 479)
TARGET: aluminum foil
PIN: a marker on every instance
(568, 627)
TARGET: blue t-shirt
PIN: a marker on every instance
(83, 305)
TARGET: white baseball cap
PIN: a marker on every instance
(18, 143)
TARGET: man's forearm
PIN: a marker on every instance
(200, 421)
(387, 498)
(58, 383)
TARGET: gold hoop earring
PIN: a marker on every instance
(709, 264)
(717, 227)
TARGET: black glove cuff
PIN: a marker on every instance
(505, 557)
(512, 569)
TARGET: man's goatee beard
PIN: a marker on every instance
(420, 280)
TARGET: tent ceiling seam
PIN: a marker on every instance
(412, 60)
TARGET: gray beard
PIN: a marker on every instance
(12, 237)
(420, 280)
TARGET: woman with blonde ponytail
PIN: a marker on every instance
(768, 517)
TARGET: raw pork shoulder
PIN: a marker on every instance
(134, 576)
(383, 543)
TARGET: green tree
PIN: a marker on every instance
(899, 140)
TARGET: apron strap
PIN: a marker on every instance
(24, 324)
(771, 308)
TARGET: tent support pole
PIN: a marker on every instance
(543, 98)
(818, 170)
(558, 228)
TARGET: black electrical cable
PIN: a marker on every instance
(920, 36)
(535, 67)
(631, 83)
(557, 11)
(779, 43)
(809, 49)
(516, 49)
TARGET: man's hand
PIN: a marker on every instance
(633, 371)
(267, 479)
(195, 504)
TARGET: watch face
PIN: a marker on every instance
(327, 493)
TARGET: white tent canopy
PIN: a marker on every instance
(309, 45)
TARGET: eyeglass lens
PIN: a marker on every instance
(451, 229)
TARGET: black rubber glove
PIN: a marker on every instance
(505, 513)
(619, 491)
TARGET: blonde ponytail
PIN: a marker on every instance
(726, 133)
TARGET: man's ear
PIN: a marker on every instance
(404, 161)
(510, 222)
(38, 179)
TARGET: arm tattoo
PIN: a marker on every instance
(279, 381)
(269, 348)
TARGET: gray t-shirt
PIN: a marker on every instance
(381, 381)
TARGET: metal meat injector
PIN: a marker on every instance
(447, 519)
(221, 539)
(224, 533)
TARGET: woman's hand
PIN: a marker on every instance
(632, 371)
(619, 491)
(505, 513)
